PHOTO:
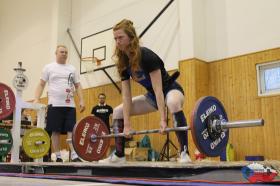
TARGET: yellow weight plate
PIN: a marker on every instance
(36, 143)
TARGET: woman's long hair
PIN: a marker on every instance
(134, 49)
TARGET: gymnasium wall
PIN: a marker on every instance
(235, 27)
(29, 32)
(207, 30)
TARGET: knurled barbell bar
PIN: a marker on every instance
(94, 137)
(217, 126)
(209, 127)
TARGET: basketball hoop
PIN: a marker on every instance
(97, 61)
(90, 63)
(92, 59)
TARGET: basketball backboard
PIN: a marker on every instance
(96, 51)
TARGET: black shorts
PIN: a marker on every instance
(60, 119)
(151, 98)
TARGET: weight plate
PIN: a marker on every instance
(6, 142)
(205, 109)
(36, 143)
(7, 101)
(20, 81)
(85, 147)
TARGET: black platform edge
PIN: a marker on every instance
(121, 170)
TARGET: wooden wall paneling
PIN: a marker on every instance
(186, 80)
(274, 143)
(201, 83)
(202, 78)
(270, 111)
(256, 136)
(92, 99)
(240, 106)
(239, 95)
(195, 81)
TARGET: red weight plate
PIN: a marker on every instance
(81, 138)
(7, 101)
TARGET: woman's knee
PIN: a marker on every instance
(118, 112)
(174, 101)
(174, 105)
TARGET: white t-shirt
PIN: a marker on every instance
(61, 80)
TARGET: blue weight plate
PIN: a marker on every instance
(205, 108)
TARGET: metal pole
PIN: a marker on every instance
(74, 44)
(93, 138)
(223, 125)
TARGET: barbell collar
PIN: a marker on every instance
(241, 123)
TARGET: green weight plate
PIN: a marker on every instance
(6, 142)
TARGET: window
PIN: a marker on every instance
(268, 75)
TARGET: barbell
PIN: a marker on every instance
(209, 127)
(217, 127)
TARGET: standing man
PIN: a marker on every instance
(102, 110)
(63, 81)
